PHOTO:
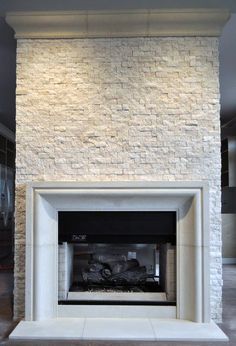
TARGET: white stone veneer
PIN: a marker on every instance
(137, 109)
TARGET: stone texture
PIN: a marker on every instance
(115, 110)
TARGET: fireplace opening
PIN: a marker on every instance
(117, 257)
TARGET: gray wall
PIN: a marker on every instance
(7, 75)
(229, 235)
(228, 70)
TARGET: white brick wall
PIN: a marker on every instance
(118, 109)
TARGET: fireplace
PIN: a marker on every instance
(117, 96)
(181, 207)
(117, 257)
(158, 231)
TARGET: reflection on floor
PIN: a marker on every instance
(228, 325)
(6, 289)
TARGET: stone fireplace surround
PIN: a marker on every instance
(142, 104)
(188, 199)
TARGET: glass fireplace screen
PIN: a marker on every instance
(102, 260)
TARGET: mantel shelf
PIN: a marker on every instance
(118, 23)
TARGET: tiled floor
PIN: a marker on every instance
(228, 326)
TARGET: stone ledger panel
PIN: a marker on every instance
(128, 109)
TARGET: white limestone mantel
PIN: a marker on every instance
(45, 319)
(189, 200)
(118, 23)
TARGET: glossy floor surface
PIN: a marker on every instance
(228, 325)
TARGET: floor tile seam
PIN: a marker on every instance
(152, 336)
(153, 329)
(83, 328)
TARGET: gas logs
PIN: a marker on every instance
(116, 272)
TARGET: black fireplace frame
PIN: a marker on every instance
(140, 227)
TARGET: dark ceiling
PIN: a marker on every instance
(8, 44)
(40, 5)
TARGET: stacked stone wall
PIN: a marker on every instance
(130, 109)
